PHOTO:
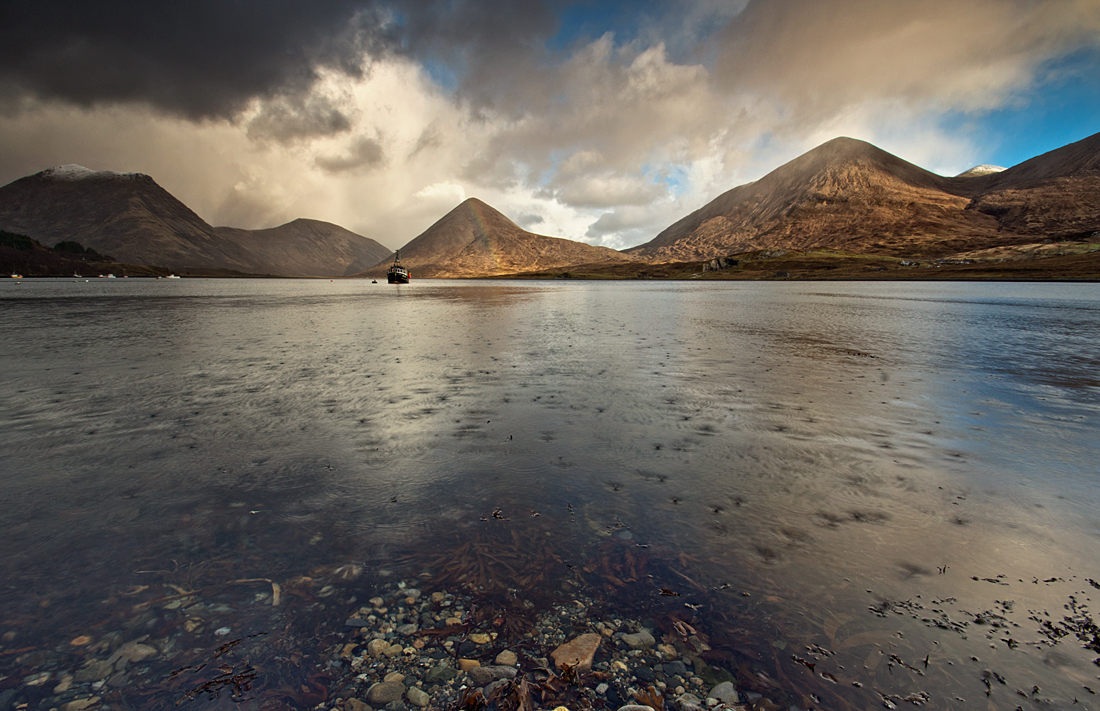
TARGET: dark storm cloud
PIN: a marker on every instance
(199, 59)
(209, 58)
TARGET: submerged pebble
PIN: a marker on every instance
(407, 648)
(614, 666)
(639, 640)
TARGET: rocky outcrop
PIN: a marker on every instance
(719, 263)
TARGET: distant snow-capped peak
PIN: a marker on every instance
(79, 172)
(980, 170)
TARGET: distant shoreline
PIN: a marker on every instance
(763, 265)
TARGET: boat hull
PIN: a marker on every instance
(398, 277)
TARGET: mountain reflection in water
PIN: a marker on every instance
(856, 490)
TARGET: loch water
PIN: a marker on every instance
(862, 493)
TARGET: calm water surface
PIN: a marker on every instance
(874, 478)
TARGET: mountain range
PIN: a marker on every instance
(850, 195)
(844, 195)
(130, 217)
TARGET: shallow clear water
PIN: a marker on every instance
(821, 466)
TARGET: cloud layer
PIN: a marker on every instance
(579, 119)
(201, 59)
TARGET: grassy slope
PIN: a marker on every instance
(1070, 265)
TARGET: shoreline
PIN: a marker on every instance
(1068, 263)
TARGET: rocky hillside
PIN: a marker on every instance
(849, 195)
(1054, 196)
(132, 218)
(476, 240)
(310, 247)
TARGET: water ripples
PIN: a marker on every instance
(802, 441)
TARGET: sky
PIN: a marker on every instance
(596, 121)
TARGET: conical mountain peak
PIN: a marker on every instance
(476, 239)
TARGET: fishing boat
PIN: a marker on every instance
(397, 273)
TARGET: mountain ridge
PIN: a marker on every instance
(850, 195)
(845, 195)
(133, 218)
(316, 247)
